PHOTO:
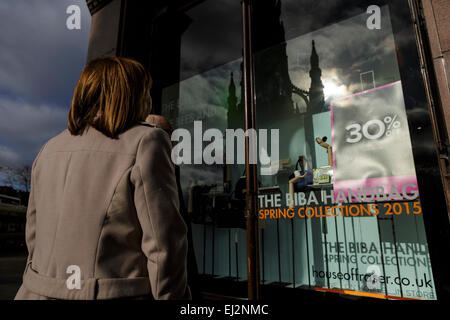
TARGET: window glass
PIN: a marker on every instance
(207, 100)
(349, 217)
(339, 203)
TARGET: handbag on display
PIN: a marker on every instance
(301, 185)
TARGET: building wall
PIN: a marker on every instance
(438, 24)
(436, 13)
(105, 30)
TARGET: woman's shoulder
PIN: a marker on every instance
(93, 140)
(144, 129)
(50, 144)
(139, 131)
(56, 140)
(146, 124)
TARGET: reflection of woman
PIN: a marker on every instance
(192, 271)
(103, 220)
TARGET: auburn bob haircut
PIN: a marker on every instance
(111, 95)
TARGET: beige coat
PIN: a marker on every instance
(110, 208)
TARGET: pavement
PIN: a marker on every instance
(12, 266)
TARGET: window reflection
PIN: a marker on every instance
(318, 71)
(314, 86)
(210, 91)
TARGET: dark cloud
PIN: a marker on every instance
(213, 37)
(40, 57)
(40, 63)
(24, 127)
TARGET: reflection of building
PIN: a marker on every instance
(314, 98)
(235, 114)
(273, 85)
(274, 90)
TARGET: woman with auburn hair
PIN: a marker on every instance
(103, 218)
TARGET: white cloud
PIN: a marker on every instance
(24, 121)
(24, 127)
(40, 58)
(8, 157)
(40, 62)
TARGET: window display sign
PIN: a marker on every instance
(372, 155)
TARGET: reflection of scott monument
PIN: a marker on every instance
(273, 85)
(275, 107)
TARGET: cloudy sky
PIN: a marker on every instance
(40, 62)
